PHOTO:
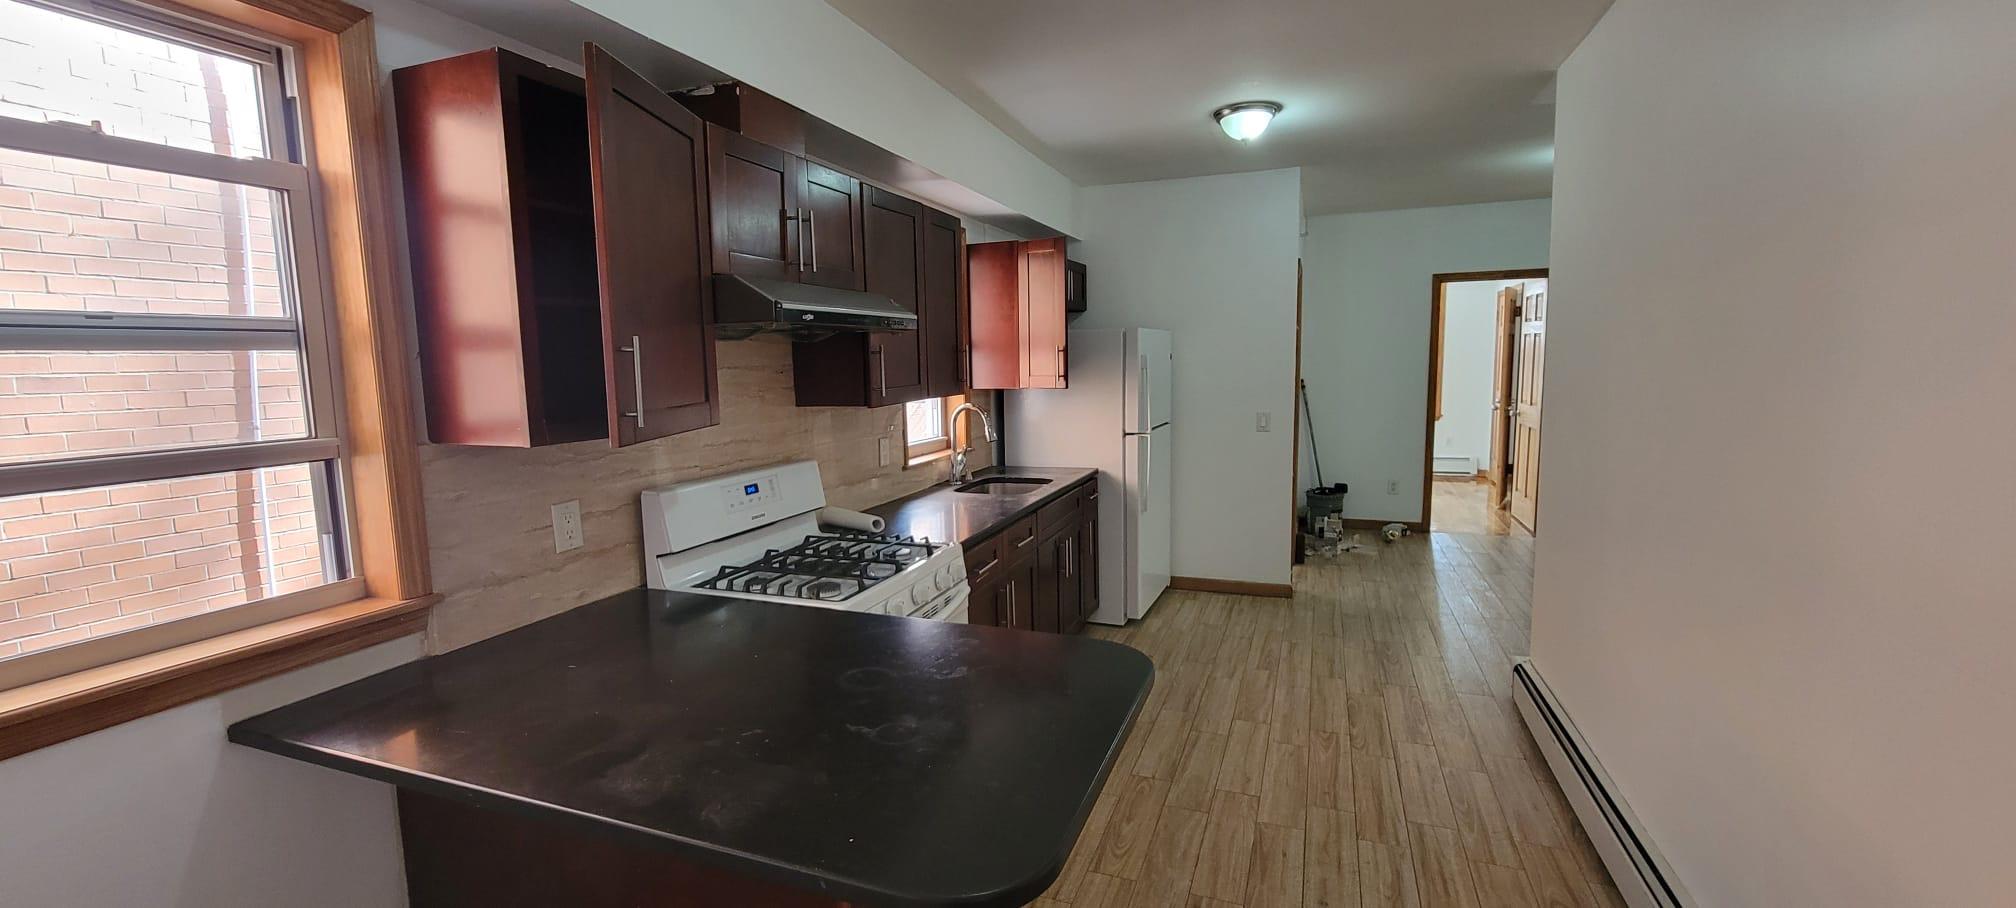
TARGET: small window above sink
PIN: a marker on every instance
(1003, 485)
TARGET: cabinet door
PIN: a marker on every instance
(648, 159)
(1042, 297)
(753, 191)
(1047, 602)
(832, 202)
(1023, 587)
(892, 232)
(1087, 566)
(983, 604)
(944, 352)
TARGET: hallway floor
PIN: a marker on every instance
(1354, 746)
(1464, 506)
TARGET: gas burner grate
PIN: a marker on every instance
(826, 568)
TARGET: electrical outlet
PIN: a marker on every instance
(1263, 421)
(1392, 487)
(882, 447)
(567, 526)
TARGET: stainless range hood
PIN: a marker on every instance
(747, 306)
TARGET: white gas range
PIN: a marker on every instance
(757, 535)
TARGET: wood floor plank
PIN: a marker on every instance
(1451, 731)
(1086, 851)
(1198, 770)
(1215, 704)
(1487, 836)
(1440, 868)
(1274, 879)
(1557, 882)
(1326, 706)
(1256, 695)
(1406, 715)
(1525, 807)
(1376, 783)
(1123, 846)
(1366, 716)
(1102, 891)
(1424, 796)
(1385, 877)
(1330, 772)
(1172, 858)
(1162, 752)
(1284, 790)
(1244, 768)
(1289, 716)
(1501, 887)
(1227, 854)
(1330, 859)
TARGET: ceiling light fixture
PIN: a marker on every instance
(1246, 120)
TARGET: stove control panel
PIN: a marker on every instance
(680, 517)
(756, 494)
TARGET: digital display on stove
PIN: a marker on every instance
(750, 489)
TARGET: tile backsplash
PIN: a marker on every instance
(489, 524)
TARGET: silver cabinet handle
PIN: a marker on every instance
(801, 237)
(636, 351)
(812, 218)
(798, 248)
(1011, 603)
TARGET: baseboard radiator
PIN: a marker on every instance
(1641, 875)
(1455, 466)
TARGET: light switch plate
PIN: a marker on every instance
(882, 451)
(567, 526)
(1263, 421)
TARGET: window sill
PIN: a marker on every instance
(47, 712)
(923, 459)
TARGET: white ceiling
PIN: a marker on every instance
(1389, 103)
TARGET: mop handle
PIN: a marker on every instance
(1302, 385)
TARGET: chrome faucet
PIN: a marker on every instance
(959, 471)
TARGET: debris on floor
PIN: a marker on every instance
(1393, 531)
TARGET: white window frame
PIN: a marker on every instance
(286, 170)
(927, 447)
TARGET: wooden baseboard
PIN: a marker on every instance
(1373, 523)
(1235, 587)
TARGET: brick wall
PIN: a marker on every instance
(83, 236)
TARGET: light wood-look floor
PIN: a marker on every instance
(1354, 746)
(1464, 506)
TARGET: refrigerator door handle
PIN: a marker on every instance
(1147, 468)
(1146, 421)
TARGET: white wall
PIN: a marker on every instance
(1212, 259)
(163, 811)
(1365, 325)
(807, 53)
(1771, 593)
(1469, 350)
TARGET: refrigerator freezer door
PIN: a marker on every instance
(1150, 401)
(1148, 524)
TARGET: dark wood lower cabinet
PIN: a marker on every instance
(1040, 574)
(458, 855)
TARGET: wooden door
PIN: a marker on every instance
(893, 234)
(1524, 500)
(648, 161)
(1043, 266)
(944, 354)
(1497, 470)
(753, 192)
(832, 202)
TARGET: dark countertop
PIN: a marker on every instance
(943, 514)
(886, 761)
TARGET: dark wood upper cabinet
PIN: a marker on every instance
(501, 223)
(1017, 314)
(941, 295)
(648, 158)
(832, 223)
(558, 226)
(753, 191)
(880, 368)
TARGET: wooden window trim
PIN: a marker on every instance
(338, 69)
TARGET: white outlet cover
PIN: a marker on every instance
(567, 526)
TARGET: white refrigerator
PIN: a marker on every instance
(1115, 417)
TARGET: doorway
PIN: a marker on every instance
(1487, 346)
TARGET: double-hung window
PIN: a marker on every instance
(170, 461)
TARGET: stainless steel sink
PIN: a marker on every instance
(1003, 485)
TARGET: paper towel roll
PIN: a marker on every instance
(851, 520)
